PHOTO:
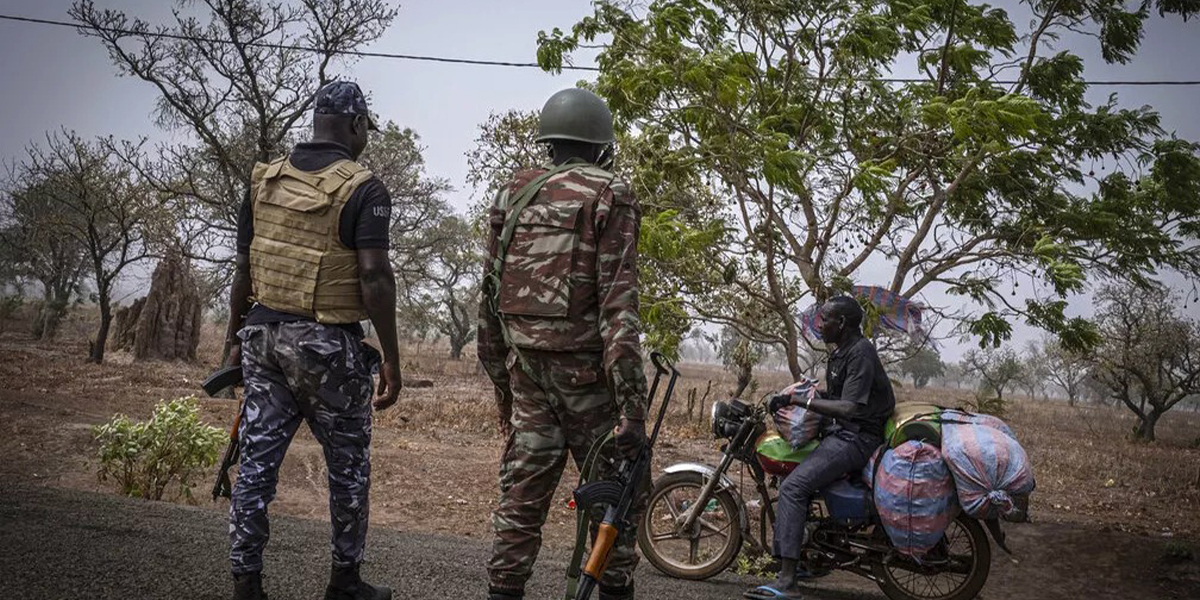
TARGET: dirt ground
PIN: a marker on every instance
(1104, 506)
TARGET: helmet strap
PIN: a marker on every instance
(607, 156)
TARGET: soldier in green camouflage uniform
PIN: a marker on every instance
(559, 333)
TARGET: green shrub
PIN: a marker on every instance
(755, 564)
(143, 458)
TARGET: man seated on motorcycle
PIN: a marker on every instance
(859, 399)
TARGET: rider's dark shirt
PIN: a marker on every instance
(856, 374)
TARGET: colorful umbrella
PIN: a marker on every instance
(895, 311)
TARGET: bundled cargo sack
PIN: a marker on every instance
(991, 470)
(914, 495)
(959, 416)
(795, 424)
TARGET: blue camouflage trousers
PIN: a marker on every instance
(315, 373)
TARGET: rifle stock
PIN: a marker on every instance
(618, 495)
(216, 383)
(225, 377)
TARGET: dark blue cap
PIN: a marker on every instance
(342, 98)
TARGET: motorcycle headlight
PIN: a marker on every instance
(719, 411)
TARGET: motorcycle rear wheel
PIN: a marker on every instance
(661, 542)
(967, 542)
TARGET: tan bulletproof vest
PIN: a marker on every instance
(298, 263)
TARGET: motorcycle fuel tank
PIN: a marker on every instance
(777, 456)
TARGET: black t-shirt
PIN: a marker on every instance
(364, 220)
(856, 374)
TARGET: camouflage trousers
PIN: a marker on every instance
(318, 374)
(565, 406)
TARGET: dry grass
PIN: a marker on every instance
(1087, 470)
(1086, 467)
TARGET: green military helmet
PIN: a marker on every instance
(576, 114)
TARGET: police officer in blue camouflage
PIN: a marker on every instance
(312, 263)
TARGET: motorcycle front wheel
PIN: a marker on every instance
(956, 569)
(701, 553)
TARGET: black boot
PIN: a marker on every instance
(621, 593)
(345, 584)
(494, 594)
(248, 586)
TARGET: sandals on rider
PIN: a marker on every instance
(766, 592)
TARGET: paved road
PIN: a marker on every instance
(64, 545)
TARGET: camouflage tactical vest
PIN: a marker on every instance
(547, 296)
(298, 263)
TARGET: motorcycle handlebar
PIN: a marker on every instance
(778, 401)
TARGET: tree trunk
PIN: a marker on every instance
(97, 354)
(54, 306)
(744, 376)
(457, 343)
(1145, 429)
(793, 357)
(45, 327)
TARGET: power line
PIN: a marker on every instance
(361, 53)
(497, 63)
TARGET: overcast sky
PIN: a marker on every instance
(53, 77)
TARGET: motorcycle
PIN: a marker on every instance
(698, 519)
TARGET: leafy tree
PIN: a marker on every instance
(1150, 357)
(95, 202)
(955, 375)
(59, 264)
(240, 100)
(958, 179)
(505, 145)
(433, 252)
(1095, 391)
(1034, 370)
(1066, 369)
(418, 200)
(740, 354)
(997, 369)
(923, 365)
(448, 286)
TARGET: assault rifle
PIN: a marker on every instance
(618, 495)
(218, 382)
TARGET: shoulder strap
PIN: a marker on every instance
(274, 168)
(263, 172)
(340, 173)
(518, 203)
(327, 180)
